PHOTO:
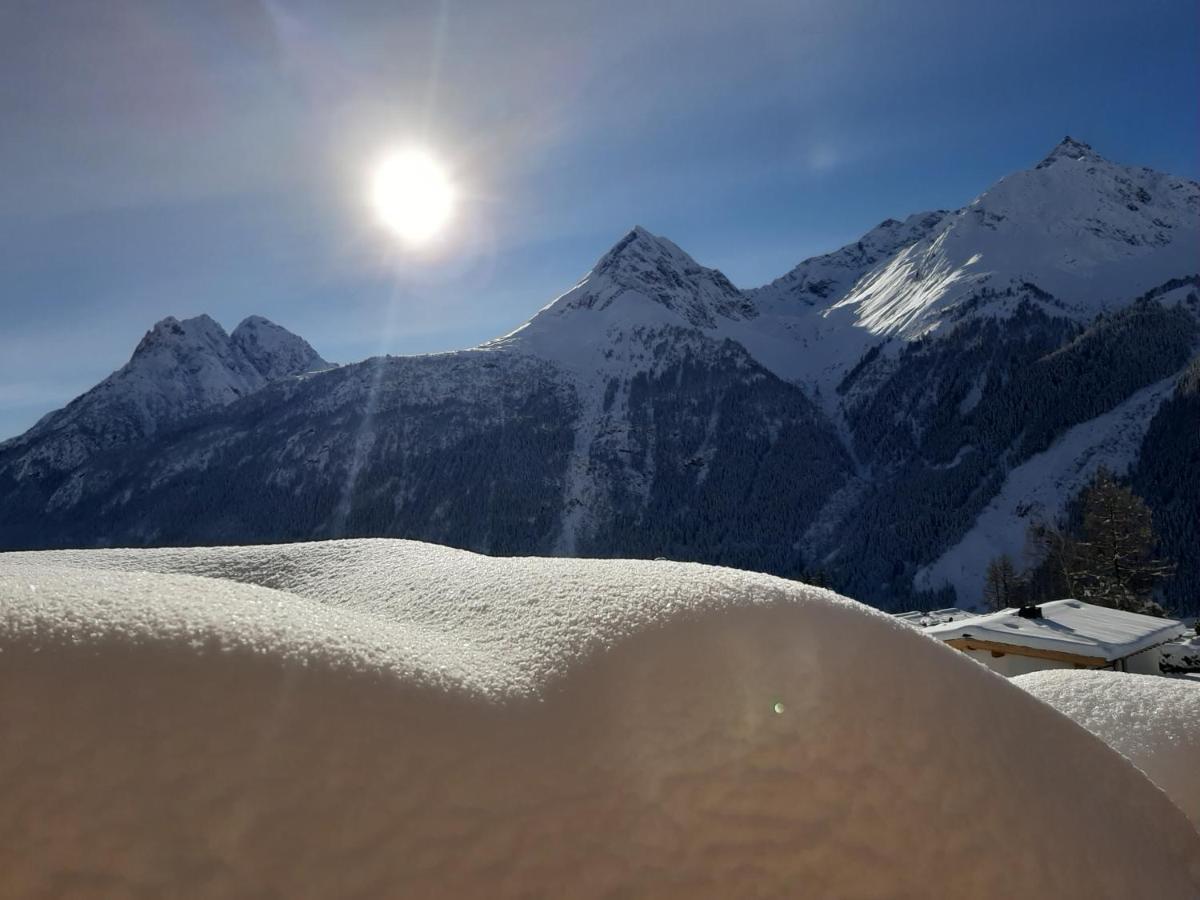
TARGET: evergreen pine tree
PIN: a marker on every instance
(1116, 566)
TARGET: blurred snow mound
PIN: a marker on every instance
(385, 718)
(1153, 721)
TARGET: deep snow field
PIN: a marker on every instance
(377, 718)
(1153, 721)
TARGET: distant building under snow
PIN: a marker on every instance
(935, 616)
(1062, 634)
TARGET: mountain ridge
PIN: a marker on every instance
(180, 368)
(851, 418)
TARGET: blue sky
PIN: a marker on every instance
(173, 158)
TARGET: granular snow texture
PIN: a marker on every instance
(1153, 721)
(385, 718)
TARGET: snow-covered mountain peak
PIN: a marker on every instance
(273, 350)
(648, 267)
(180, 368)
(172, 336)
(644, 283)
(655, 269)
(1070, 150)
(638, 249)
(256, 323)
(1090, 233)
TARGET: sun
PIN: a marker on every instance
(413, 196)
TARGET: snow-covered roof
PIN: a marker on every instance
(935, 616)
(1067, 626)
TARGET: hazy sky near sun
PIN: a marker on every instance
(172, 158)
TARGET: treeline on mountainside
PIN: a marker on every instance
(717, 460)
(734, 462)
(1167, 475)
(953, 414)
(480, 469)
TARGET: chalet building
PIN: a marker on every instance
(1063, 634)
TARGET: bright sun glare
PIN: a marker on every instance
(413, 196)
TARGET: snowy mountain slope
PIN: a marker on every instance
(273, 350)
(179, 369)
(1091, 233)
(496, 449)
(1039, 490)
(644, 282)
(821, 280)
(462, 447)
(623, 338)
(946, 420)
(794, 335)
(1076, 234)
(367, 718)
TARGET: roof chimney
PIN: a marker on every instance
(1030, 612)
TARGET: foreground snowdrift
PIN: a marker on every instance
(1153, 721)
(385, 718)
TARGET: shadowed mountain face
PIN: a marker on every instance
(867, 416)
